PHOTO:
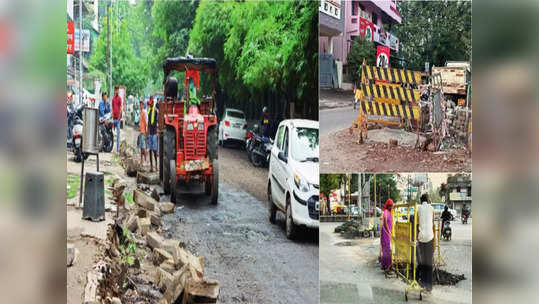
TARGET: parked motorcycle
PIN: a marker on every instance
(77, 133)
(106, 137)
(258, 148)
(446, 230)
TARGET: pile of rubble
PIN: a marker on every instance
(353, 229)
(141, 266)
(457, 118)
(442, 277)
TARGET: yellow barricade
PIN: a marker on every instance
(405, 244)
(390, 93)
(390, 110)
(390, 75)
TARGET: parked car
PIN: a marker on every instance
(293, 179)
(233, 127)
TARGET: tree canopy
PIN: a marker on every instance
(266, 50)
(434, 32)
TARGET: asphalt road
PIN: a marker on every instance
(336, 119)
(252, 259)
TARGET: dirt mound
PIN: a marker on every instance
(352, 229)
(442, 277)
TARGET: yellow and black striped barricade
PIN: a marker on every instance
(391, 75)
(405, 245)
(383, 109)
(390, 93)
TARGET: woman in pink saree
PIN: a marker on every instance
(385, 238)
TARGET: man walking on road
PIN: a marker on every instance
(142, 133)
(117, 115)
(425, 218)
(152, 132)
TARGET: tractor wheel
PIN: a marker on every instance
(211, 143)
(169, 143)
(172, 181)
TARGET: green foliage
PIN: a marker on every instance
(72, 185)
(386, 187)
(261, 46)
(360, 50)
(266, 50)
(434, 32)
(128, 250)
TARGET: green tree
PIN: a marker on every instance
(329, 182)
(386, 187)
(360, 50)
(434, 32)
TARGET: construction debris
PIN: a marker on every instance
(442, 277)
(352, 229)
(144, 200)
(167, 207)
(150, 178)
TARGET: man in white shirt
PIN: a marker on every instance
(425, 222)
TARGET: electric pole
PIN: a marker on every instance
(80, 51)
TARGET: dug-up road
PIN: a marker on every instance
(252, 259)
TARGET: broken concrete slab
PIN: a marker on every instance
(164, 279)
(168, 266)
(141, 212)
(179, 281)
(144, 225)
(155, 195)
(144, 200)
(132, 223)
(155, 219)
(167, 207)
(183, 257)
(154, 240)
(150, 178)
(160, 255)
(205, 291)
(131, 166)
(90, 290)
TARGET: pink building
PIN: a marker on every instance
(363, 18)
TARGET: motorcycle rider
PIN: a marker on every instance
(446, 215)
(104, 106)
(265, 123)
(465, 212)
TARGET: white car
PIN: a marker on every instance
(233, 127)
(293, 178)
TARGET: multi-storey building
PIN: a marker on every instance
(371, 19)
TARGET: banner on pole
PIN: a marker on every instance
(70, 37)
(85, 40)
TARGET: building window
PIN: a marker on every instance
(354, 8)
(374, 18)
(337, 12)
(326, 6)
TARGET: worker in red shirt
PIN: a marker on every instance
(117, 115)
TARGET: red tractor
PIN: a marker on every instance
(188, 127)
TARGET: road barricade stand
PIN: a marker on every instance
(405, 245)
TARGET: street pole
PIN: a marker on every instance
(374, 194)
(109, 30)
(80, 52)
